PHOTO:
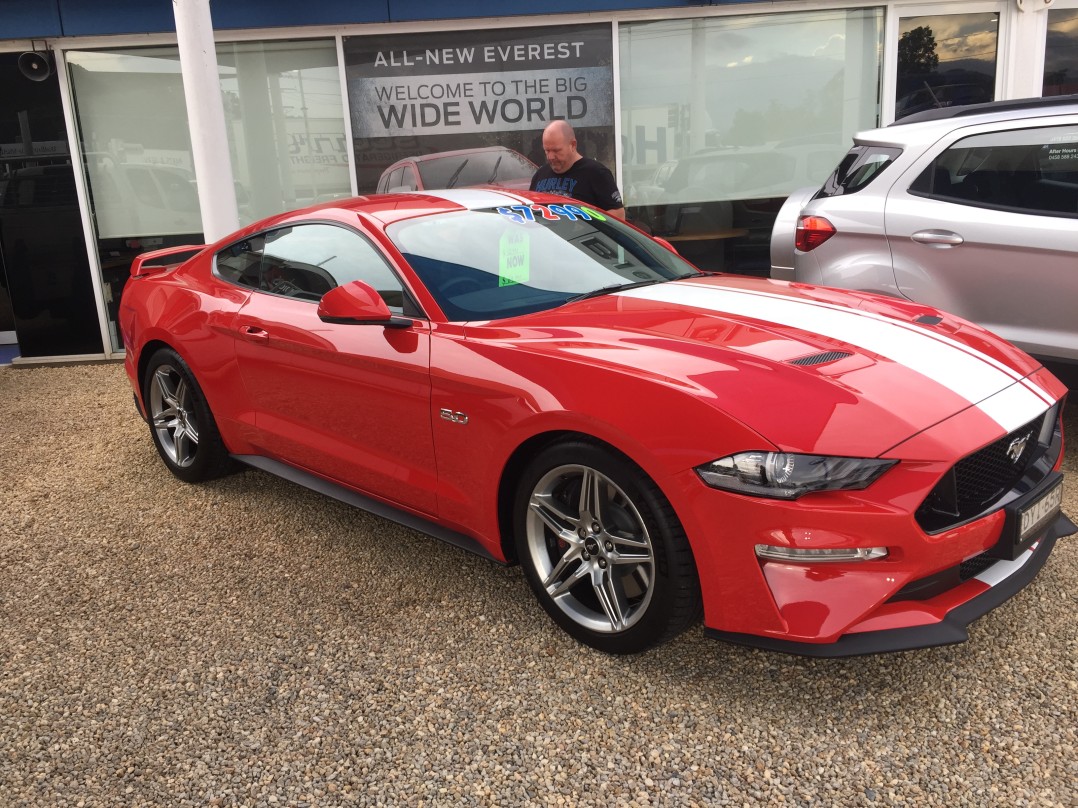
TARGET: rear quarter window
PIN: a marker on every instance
(857, 170)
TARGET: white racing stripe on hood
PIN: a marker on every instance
(960, 368)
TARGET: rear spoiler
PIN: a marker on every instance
(157, 261)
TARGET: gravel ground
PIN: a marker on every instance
(247, 642)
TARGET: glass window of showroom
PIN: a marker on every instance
(723, 117)
(285, 127)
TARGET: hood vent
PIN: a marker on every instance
(820, 358)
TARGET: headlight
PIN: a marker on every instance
(781, 475)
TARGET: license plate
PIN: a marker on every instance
(1035, 516)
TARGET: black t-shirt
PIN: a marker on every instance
(586, 180)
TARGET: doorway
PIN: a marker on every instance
(46, 292)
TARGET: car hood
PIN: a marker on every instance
(808, 368)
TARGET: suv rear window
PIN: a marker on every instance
(858, 168)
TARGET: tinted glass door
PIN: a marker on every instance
(46, 274)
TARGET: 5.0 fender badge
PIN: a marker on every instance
(453, 417)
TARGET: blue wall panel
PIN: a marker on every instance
(25, 19)
(80, 18)
(275, 13)
(402, 10)
(33, 18)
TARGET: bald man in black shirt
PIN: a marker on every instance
(568, 173)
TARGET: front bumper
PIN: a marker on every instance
(937, 577)
(960, 607)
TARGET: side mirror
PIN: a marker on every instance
(356, 303)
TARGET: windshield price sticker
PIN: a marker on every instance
(513, 258)
(552, 213)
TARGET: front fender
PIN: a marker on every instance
(664, 428)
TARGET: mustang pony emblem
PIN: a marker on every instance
(1017, 447)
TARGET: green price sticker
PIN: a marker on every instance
(513, 257)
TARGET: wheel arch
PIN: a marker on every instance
(519, 459)
(145, 354)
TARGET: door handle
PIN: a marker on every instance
(943, 238)
(254, 333)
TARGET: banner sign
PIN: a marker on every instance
(415, 94)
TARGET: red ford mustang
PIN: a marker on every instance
(815, 471)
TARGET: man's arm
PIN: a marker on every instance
(607, 190)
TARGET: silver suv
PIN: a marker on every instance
(970, 209)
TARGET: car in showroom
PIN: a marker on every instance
(972, 209)
(538, 382)
(461, 168)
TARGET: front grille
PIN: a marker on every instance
(972, 567)
(977, 482)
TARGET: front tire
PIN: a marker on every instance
(181, 424)
(603, 550)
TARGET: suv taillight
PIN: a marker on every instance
(812, 231)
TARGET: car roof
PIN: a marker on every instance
(388, 208)
(1023, 107)
(421, 158)
(928, 126)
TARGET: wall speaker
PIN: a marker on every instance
(35, 65)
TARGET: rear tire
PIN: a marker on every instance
(181, 424)
(603, 550)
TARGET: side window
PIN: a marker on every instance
(307, 260)
(351, 257)
(394, 180)
(857, 170)
(407, 179)
(240, 263)
(1029, 170)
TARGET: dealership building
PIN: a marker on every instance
(710, 114)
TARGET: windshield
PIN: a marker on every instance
(475, 168)
(502, 262)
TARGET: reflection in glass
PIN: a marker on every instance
(285, 122)
(946, 60)
(1061, 52)
(132, 123)
(723, 117)
(285, 128)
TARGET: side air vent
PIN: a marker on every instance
(820, 358)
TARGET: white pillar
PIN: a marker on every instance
(206, 118)
(1022, 48)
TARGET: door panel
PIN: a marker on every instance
(348, 402)
(1013, 273)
